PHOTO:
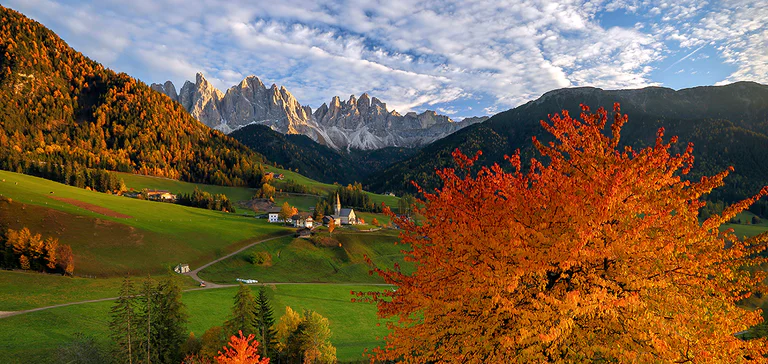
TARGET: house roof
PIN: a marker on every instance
(274, 210)
(302, 216)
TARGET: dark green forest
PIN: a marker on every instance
(728, 126)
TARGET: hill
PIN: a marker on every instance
(61, 113)
(317, 161)
(727, 124)
(113, 235)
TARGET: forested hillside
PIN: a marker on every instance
(317, 161)
(727, 124)
(62, 113)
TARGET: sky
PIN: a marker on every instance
(461, 58)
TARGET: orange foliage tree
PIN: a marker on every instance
(241, 351)
(598, 255)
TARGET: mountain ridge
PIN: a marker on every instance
(727, 124)
(358, 123)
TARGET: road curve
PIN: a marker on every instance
(193, 274)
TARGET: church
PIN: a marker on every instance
(341, 216)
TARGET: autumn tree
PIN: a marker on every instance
(375, 222)
(241, 351)
(286, 212)
(597, 255)
(305, 338)
(331, 226)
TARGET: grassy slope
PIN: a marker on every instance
(325, 187)
(746, 230)
(31, 337)
(298, 260)
(26, 290)
(157, 236)
(138, 182)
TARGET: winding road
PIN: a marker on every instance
(193, 274)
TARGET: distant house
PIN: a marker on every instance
(327, 220)
(181, 268)
(160, 195)
(304, 233)
(275, 175)
(273, 214)
(302, 219)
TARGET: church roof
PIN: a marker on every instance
(346, 212)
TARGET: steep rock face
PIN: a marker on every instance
(360, 124)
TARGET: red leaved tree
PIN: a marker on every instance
(241, 351)
(598, 255)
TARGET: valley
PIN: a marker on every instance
(419, 234)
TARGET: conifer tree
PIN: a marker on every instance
(146, 315)
(123, 324)
(265, 322)
(170, 322)
(243, 313)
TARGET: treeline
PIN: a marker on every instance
(24, 250)
(148, 325)
(349, 196)
(69, 173)
(57, 107)
(206, 200)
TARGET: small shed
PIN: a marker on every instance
(181, 268)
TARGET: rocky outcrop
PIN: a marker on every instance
(363, 123)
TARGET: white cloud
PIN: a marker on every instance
(410, 56)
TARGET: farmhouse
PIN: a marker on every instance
(302, 219)
(160, 195)
(273, 214)
(181, 268)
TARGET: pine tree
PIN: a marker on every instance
(123, 324)
(265, 323)
(170, 321)
(147, 312)
(243, 313)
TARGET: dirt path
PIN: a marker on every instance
(193, 273)
(91, 207)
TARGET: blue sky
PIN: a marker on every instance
(461, 58)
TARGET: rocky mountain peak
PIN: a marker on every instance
(363, 123)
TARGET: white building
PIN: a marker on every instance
(274, 214)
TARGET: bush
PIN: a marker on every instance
(259, 258)
(324, 241)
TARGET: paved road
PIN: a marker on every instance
(193, 274)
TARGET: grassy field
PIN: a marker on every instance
(138, 182)
(32, 337)
(301, 202)
(746, 230)
(155, 237)
(26, 290)
(298, 260)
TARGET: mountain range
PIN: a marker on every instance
(727, 124)
(362, 123)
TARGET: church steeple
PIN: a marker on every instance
(338, 205)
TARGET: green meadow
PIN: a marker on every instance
(299, 260)
(33, 337)
(153, 237)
